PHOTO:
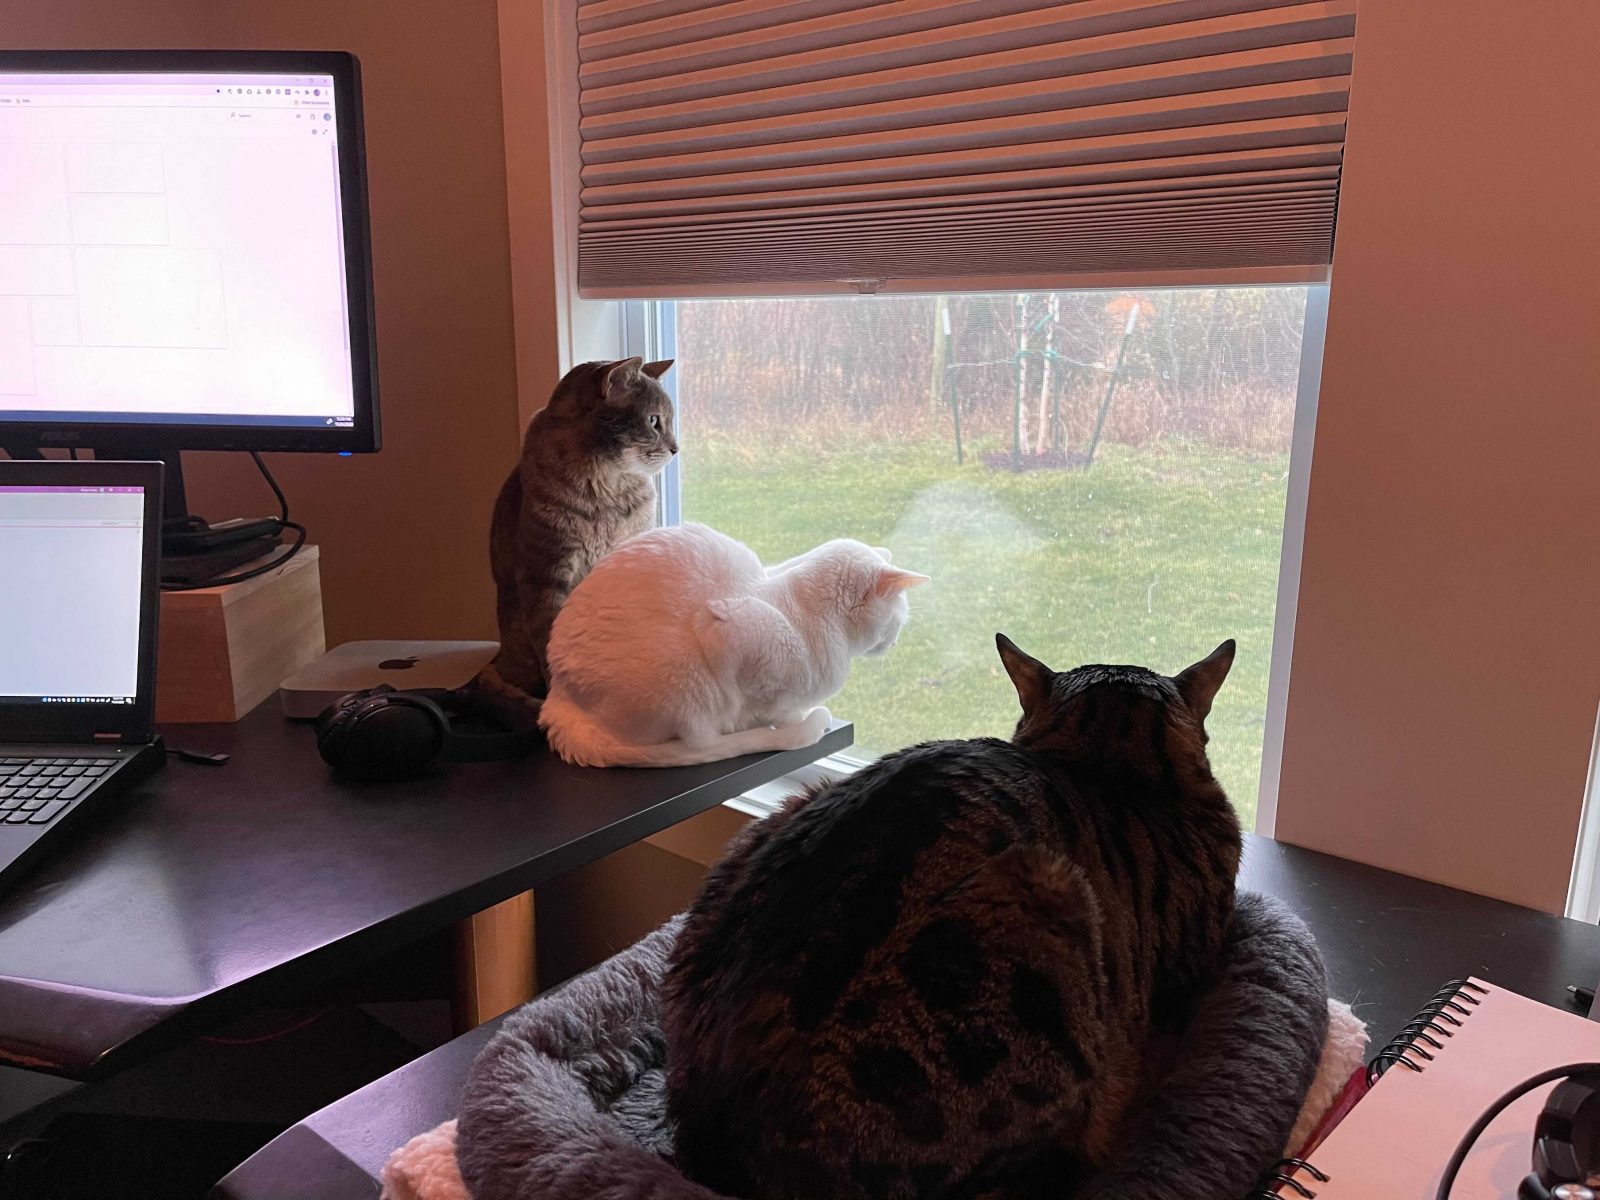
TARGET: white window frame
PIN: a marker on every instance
(649, 329)
(1301, 441)
(1583, 893)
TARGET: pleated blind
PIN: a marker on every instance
(821, 145)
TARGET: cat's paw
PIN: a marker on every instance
(814, 726)
(492, 681)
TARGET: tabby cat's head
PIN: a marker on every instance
(625, 413)
(1130, 712)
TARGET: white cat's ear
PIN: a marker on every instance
(614, 380)
(1030, 676)
(884, 553)
(657, 369)
(893, 579)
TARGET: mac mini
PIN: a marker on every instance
(356, 666)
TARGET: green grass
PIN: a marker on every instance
(1153, 556)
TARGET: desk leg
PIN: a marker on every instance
(494, 962)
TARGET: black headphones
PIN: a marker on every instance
(1565, 1149)
(382, 735)
(1566, 1138)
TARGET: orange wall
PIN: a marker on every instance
(404, 533)
(1447, 648)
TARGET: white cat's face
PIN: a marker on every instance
(875, 592)
(894, 620)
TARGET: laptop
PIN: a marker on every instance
(79, 601)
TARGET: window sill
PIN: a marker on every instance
(767, 799)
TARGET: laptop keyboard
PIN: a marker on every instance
(35, 791)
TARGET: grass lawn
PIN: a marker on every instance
(1152, 556)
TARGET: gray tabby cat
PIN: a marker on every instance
(585, 483)
(937, 979)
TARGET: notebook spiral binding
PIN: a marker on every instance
(1437, 1019)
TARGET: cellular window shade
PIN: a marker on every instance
(820, 145)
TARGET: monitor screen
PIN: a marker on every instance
(70, 593)
(173, 252)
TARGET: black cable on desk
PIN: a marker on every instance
(283, 519)
(1453, 1167)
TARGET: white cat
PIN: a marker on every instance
(680, 648)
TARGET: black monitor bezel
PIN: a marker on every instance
(364, 436)
(83, 722)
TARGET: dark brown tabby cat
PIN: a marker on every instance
(585, 483)
(935, 979)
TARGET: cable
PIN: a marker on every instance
(1464, 1147)
(241, 576)
(293, 1027)
(283, 504)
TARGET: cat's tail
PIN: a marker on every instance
(582, 741)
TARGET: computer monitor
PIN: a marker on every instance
(184, 258)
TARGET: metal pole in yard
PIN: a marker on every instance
(1058, 427)
(955, 407)
(1111, 385)
(1017, 370)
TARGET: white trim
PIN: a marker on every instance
(1301, 443)
(1583, 893)
(664, 344)
(591, 328)
(765, 800)
(539, 254)
(553, 328)
(561, 75)
(650, 330)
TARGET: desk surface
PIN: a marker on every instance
(212, 890)
(1389, 942)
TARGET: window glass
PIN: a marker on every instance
(1101, 476)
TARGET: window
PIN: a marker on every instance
(1100, 475)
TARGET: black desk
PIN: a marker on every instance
(214, 891)
(1389, 942)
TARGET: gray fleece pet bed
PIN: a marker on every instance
(568, 1101)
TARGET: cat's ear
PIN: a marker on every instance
(1030, 676)
(615, 378)
(657, 369)
(883, 553)
(893, 579)
(1198, 684)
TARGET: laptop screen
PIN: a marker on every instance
(70, 594)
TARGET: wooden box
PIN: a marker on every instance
(223, 650)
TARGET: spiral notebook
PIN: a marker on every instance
(1472, 1043)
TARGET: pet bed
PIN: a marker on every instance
(568, 1102)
